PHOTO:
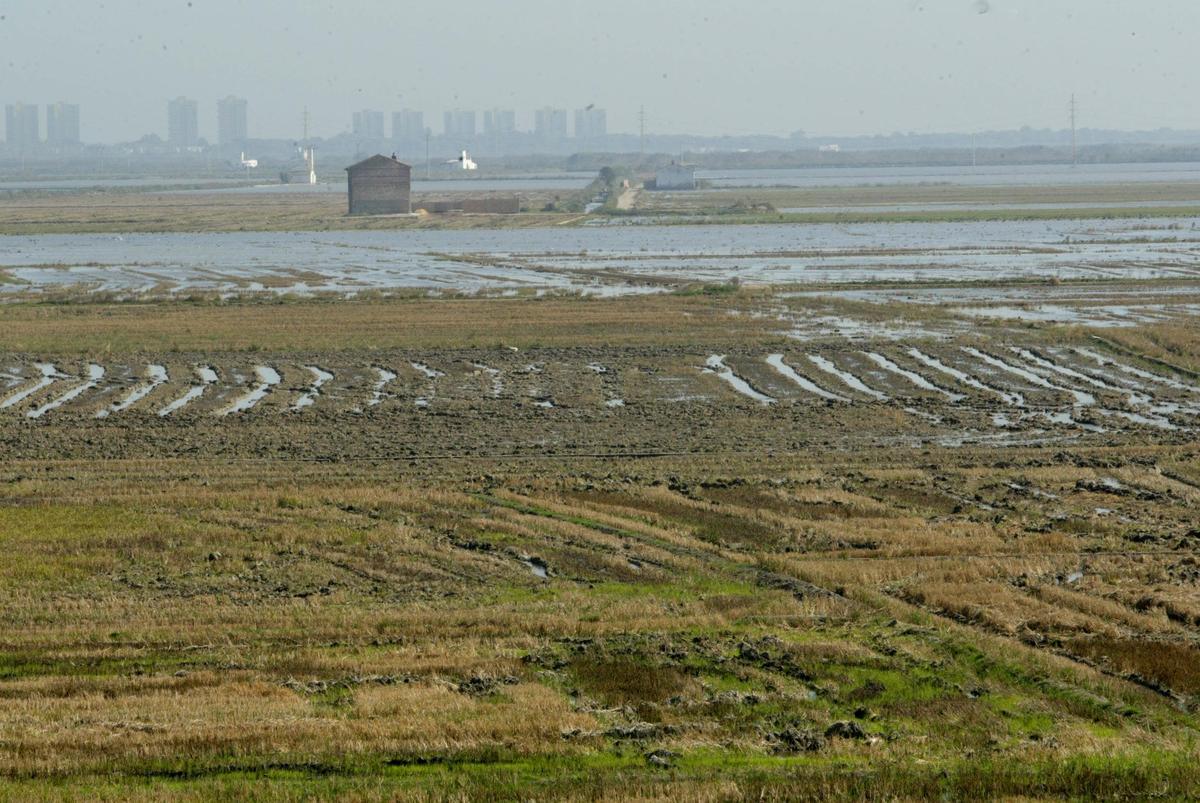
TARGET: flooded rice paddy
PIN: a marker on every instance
(602, 260)
(982, 176)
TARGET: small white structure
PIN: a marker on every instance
(834, 148)
(310, 156)
(466, 161)
(675, 177)
(248, 163)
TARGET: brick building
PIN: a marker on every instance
(380, 186)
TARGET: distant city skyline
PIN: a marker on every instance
(183, 122)
(186, 126)
(22, 125)
(546, 130)
(704, 67)
(62, 124)
(232, 116)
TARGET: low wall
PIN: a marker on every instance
(510, 205)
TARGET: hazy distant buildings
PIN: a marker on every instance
(499, 122)
(550, 125)
(459, 124)
(231, 121)
(591, 123)
(368, 124)
(21, 130)
(183, 126)
(408, 125)
(62, 124)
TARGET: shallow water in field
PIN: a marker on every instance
(984, 175)
(1000, 391)
(602, 259)
(860, 209)
(267, 378)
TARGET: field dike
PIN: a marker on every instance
(321, 378)
(432, 375)
(776, 361)
(1082, 399)
(849, 379)
(268, 378)
(379, 389)
(715, 364)
(207, 377)
(1140, 373)
(1009, 398)
(1158, 414)
(94, 372)
(495, 375)
(380, 405)
(156, 375)
(49, 375)
(912, 376)
(1180, 406)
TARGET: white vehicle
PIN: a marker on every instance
(248, 163)
(466, 161)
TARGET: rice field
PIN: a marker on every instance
(600, 510)
(651, 547)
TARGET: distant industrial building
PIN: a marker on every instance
(183, 126)
(550, 125)
(368, 124)
(408, 125)
(675, 177)
(380, 186)
(459, 124)
(591, 123)
(21, 129)
(231, 121)
(62, 124)
(499, 122)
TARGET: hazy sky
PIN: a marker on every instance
(769, 66)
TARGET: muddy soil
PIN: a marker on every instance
(583, 401)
